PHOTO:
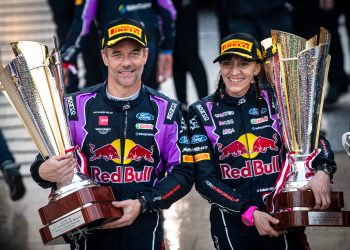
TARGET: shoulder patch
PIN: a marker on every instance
(170, 112)
(203, 113)
(71, 108)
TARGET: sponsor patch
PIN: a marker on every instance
(103, 131)
(193, 124)
(202, 112)
(71, 108)
(228, 131)
(227, 122)
(201, 157)
(171, 111)
(259, 120)
(145, 116)
(103, 120)
(124, 28)
(198, 139)
(187, 158)
(236, 43)
(224, 114)
(255, 111)
(184, 140)
(144, 126)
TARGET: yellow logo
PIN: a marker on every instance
(236, 44)
(124, 28)
(187, 158)
(201, 157)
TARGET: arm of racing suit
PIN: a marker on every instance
(177, 160)
(208, 181)
(84, 13)
(34, 171)
(326, 155)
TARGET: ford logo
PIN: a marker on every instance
(255, 111)
(145, 116)
(198, 139)
(184, 140)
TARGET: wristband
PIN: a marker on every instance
(143, 203)
(247, 217)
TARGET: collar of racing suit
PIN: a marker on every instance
(122, 105)
(237, 101)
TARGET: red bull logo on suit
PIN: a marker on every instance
(248, 146)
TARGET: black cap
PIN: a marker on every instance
(242, 45)
(121, 29)
(269, 49)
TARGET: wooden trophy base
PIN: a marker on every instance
(295, 209)
(83, 209)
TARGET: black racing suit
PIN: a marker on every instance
(238, 151)
(137, 148)
(157, 16)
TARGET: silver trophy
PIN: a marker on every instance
(33, 84)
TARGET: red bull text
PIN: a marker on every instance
(119, 176)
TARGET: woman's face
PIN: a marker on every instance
(238, 74)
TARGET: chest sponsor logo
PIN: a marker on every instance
(198, 149)
(198, 139)
(193, 124)
(103, 120)
(144, 126)
(187, 158)
(103, 131)
(184, 140)
(171, 111)
(228, 131)
(252, 168)
(145, 116)
(259, 120)
(111, 152)
(227, 122)
(202, 112)
(201, 157)
(126, 174)
(183, 125)
(224, 114)
(242, 101)
(241, 146)
(255, 111)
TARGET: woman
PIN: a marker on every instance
(238, 151)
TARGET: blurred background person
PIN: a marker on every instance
(186, 53)
(308, 17)
(63, 15)
(157, 16)
(255, 17)
(10, 171)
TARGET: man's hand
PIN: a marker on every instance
(320, 185)
(263, 223)
(58, 169)
(131, 209)
(165, 67)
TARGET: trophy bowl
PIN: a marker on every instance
(33, 84)
(298, 72)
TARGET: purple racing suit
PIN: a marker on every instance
(238, 151)
(135, 147)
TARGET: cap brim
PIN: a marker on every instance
(113, 42)
(230, 53)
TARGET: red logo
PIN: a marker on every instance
(103, 120)
(235, 149)
(261, 144)
(251, 168)
(119, 176)
(138, 152)
(107, 152)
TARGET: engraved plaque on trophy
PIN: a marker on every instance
(300, 70)
(33, 84)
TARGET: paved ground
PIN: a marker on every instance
(187, 221)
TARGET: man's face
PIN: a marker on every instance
(125, 62)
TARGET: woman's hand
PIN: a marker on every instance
(58, 169)
(263, 223)
(131, 209)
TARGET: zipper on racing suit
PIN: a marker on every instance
(125, 126)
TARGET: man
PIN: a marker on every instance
(157, 16)
(149, 165)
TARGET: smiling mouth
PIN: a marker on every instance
(127, 73)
